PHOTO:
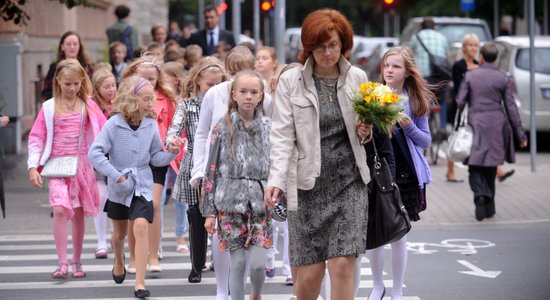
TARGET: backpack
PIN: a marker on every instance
(126, 39)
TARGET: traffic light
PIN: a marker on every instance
(266, 6)
(388, 4)
(222, 8)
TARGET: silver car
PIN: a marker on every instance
(513, 59)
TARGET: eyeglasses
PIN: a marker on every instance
(332, 47)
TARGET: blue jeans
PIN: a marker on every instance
(180, 223)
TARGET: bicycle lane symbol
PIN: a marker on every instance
(461, 246)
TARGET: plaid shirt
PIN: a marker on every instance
(186, 117)
(435, 42)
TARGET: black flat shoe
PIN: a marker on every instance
(142, 293)
(194, 277)
(118, 278)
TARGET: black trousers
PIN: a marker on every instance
(482, 182)
(197, 238)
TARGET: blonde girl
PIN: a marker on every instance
(164, 109)
(207, 73)
(129, 173)
(238, 166)
(104, 93)
(408, 139)
(55, 133)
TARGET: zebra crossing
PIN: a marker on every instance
(26, 262)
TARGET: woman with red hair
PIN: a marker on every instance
(318, 159)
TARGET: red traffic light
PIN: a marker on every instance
(221, 8)
(388, 2)
(266, 6)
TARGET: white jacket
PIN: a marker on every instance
(295, 133)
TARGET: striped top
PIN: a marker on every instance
(66, 131)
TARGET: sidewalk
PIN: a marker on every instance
(522, 198)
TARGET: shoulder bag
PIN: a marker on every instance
(439, 65)
(65, 166)
(461, 139)
(388, 220)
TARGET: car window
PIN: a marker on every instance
(456, 32)
(542, 60)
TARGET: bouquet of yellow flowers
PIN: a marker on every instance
(378, 105)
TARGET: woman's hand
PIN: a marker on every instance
(405, 120)
(364, 130)
(121, 179)
(35, 178)
(209, 224)
(271, 196)
(523, 144)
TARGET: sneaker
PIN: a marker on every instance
(289, 281)
(270, 273)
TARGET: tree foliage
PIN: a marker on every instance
(13, 10)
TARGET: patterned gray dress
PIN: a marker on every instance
(331, 220)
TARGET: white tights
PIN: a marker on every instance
(399, 264)
(221, 262)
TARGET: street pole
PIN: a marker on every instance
(256, 29)
(222, 17)
(280, 20)
(236, 20)
(396, 24)
(533, 133)
(496, 18)
(545, 13)
(201, 15)
(386, 23)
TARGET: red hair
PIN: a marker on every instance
(317, 27)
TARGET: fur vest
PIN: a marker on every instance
(235, 183)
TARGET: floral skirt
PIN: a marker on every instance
(237, 231)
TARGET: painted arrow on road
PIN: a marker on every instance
(477, 271)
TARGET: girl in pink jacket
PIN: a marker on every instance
(56, 133)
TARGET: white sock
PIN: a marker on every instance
(100, 219)
(399, 264)
(270, 262)
(376, 261)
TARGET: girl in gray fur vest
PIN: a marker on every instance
(236, 173)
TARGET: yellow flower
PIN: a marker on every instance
(367, 99)
(394, 98)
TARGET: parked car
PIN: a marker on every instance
(363, 48)
(293, 43)
(513, 59)
(453, 28)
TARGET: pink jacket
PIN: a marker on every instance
(165, 113)
(41, 135)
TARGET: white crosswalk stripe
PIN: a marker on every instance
(26, 263)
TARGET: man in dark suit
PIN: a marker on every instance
(209, 37)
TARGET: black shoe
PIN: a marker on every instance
(142, 293)
(480, 208)
(194, 276)
(489, 208)
(118, 278)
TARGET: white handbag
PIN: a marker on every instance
(460, 140)
(65, 166)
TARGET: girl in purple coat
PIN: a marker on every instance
(410, 136)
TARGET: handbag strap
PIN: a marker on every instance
(81, 127)
(377, 163)
(463, 118)
(423, 46)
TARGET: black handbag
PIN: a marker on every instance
(388, 220)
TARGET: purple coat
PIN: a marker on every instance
(486, 90)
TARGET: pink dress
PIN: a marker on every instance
(80, 190)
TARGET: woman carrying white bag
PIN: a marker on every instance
(494, 119)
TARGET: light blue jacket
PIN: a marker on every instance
(130, 153)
